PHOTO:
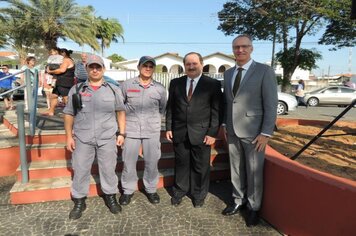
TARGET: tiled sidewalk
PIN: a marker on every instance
(138, 218)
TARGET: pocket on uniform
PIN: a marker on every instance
(154, 125)
(80, 122)
(155, 96)
(85, 104)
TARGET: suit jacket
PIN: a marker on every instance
(254, 108)
(200, 116)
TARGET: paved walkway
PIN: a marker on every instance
(138, 218)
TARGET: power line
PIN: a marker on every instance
(188, 43)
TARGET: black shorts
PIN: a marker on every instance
(61, 91)
(3, 90)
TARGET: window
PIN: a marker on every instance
(331, 90)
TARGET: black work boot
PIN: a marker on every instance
(79, 207)
(111, 202)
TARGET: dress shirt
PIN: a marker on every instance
(196, 80)
(245, 68)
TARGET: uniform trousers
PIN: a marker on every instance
(82, 160)
(151, 154)
(246, 166)
(192, 169)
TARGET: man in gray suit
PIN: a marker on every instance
(250, 91)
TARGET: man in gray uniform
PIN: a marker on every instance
(92, 131)
(145, 102)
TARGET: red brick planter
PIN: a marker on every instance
(299, 200)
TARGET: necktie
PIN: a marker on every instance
(190, 91)
(237, 81)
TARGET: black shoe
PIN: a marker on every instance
(232, 209)
(198, 203)
(252, 218)
(176, 201)
(125, 199)
(111, 202)
(79, 207)
(153, 198)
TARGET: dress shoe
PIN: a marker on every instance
(176, 201)
(198, 203)
(111, 202)
(79, 207)
(232, 209)
(125, 199)
(153, 198)
(252, 218)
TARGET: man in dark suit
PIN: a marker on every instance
(250, 91)
(192, 121)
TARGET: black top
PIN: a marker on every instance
(66, 79)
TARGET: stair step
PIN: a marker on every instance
(52, 189)
(57, 150)
(58, 168)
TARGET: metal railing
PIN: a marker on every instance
(31, 89)
(320, 134)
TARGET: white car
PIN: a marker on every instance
(286, 102)
(331, 95)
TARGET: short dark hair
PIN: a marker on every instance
(7, 66)
(28, 59)
(193, 53)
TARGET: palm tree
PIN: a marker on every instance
(17, 33)
(108, 30)
(54, 19)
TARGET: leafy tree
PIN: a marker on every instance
(341, 30)
(306, 61)
(17, 32)
(52, 20)
(108, 30)
(288, 23)
(116, 58)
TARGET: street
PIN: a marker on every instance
(321, 113)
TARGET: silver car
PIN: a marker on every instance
(332, 95)
(286, 102)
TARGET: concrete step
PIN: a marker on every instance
(54, 189)
(56, 150)
(61, 168)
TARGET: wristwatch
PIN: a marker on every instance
(120, 134)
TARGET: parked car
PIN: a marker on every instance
(331, 95)
(286, 103)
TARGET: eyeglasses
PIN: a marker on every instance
(241, 46)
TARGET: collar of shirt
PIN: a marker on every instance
(137, 81)
(245, 68)
(196, 80)
(87, 84)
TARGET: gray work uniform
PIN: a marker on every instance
(94, 128)
(145, 106)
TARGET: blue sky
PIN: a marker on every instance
(159, 26)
